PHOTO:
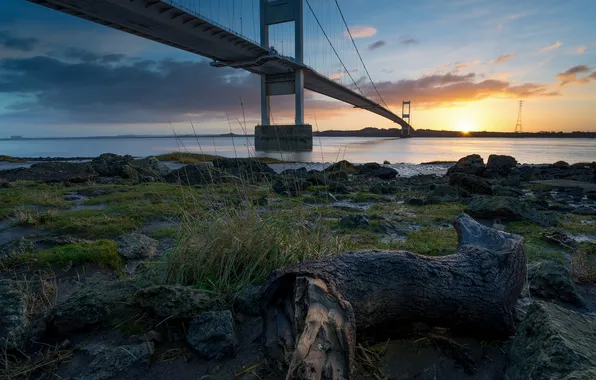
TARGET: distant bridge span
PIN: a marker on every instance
(171, 24)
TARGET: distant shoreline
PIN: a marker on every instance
(366, 132)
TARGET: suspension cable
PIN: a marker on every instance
(332, 47)
(358, 51)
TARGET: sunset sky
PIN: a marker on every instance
(464, 64)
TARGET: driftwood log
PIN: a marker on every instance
(314, 312)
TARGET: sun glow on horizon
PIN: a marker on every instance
(466, 126)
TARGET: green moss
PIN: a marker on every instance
(427, 215)
(27, 197)
(429, 241)
(368, 197)
(539, 250)
(362, 239)
(101, 252)
(92, 223)
(318, 188)
(164, 233)
(584, 224)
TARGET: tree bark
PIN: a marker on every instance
(314, 312)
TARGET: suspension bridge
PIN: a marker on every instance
(264, 37)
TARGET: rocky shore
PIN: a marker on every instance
(119, 267)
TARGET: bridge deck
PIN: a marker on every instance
(168, 23)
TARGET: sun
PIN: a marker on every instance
(466, 126)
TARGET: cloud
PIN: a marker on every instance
(89, 57)
(550, 47)
(9, 41)
(581, 50)
(56, 90)
(441, 90)
(361, 31)
(408, 41)
(376, 45)
(336, 76)
(503, 58)
(545, 61)
(572, 75)
(461, 66)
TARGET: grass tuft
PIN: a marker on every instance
(101, 252)
(227, 251)
(583, 263)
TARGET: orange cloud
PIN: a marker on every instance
(361, 31)
(442, 90)
(581, 50)
(571, 76)
(503, 58)
(550, 47)
(466, 65)
(336, 76)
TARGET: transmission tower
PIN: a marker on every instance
(518, 125)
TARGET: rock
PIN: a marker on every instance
(14, 322)
(292, 187)
(338, 188)
(416, 202)
(373, 169)
(502, 191)
(316, 178)
(194, 175)
(110, 362)
(561, 165)
(383, 188)
(591, 194)
(16, 247)
(247, 301)
(584, 210)
(341, 166)
(51, 172)
(471, 183)
(444, 193)
(354, 221)
(552, 281)
(560, 238)
(212, 334)
(131, 173)
(472, 164)
(386, 162)
(149, 167)
(300, 173)
(110, 165)
(94, 304)
(508, 209)
(511, 181)
(242, 167)
(499, 166)
(135, 246)
(553, 343)
(336, 177)
(166, 301)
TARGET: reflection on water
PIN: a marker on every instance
(326, 149)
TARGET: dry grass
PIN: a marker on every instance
(583, 263)
(228, 250)
(40, 366)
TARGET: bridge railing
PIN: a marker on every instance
(209, 20)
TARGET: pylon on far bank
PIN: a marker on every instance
(518, 124)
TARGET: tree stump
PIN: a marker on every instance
(314, 312)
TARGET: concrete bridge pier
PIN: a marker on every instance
(296, 137)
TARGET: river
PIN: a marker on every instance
(326, 149)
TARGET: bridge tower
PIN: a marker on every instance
(405, 115)
(283, 137)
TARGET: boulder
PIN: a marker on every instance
(247, 301)
(195, 175)
(128, 172)
(51, 172)
(14, 322)
(416, 202)
(472, 164)
(584, 210)
(552, 281)
(508, 209)
(444, 193)
(110, 165)
(503, 191)
(94, 303)
(553, 343)
(341, 166)
(292, 187)
(383, 188)
(109, 362)
(212, 334)
(167, 301)
(338, 188)
(471, 183)
(242, 167)
(499, 166)
(373, 169)
(354, 221)
(149, 167)
(135, 246)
